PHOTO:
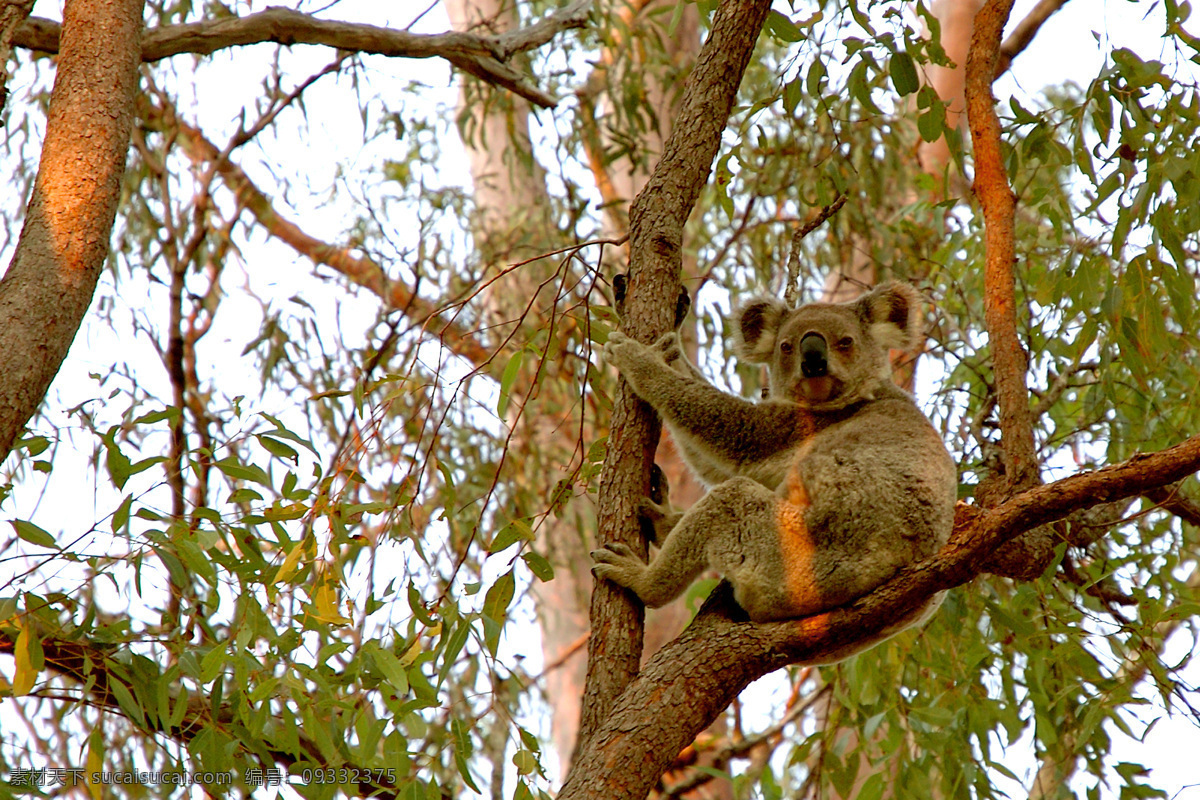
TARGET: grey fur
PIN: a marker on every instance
(820, 492)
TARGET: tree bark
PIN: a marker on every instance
(999, 210)
(64, 242)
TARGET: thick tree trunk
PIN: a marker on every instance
(49, 284)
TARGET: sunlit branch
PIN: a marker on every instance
(481, 56)
(1024, 32)
(996, 197)
(360, 270)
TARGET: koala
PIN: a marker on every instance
(820, 492)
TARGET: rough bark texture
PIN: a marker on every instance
(49, 284)
(656, 239)
(12, 14)
(692, 680)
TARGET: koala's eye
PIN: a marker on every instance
(785, 348)
(845, 344)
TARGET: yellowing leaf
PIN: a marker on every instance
(30, 660)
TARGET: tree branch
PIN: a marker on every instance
(12, 14)
(996, 197)
(683, 688)
(50, 282)
(481, 56)
(1024, 32)
(657, 217)
(361, 271)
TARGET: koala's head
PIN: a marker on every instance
(826, 356)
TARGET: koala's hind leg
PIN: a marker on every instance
(759, 541)
(753, 536)
(656, 584)
(686, 546)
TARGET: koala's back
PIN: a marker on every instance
(880, 488)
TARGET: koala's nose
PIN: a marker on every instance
(813, 355)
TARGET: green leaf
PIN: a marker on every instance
(179, 576)
(27, 652)
(792, 93)
(283, 432)
(278, 448)
(158, 416)
(903, 71)
(392, 669)
(525, 762)
(782, 28)
(860, 88)
(1022, 116)
(463, 749)
(816, 77)
(538, 566)
(34, 445)
(455, 640)
(517, 530)
(872, 787)
(120, 518)
(127, 703)
(495, 608)
(243, 472)
(511, 370)
(33, 534)
(119, 467)
(932, 123)
(417, 606)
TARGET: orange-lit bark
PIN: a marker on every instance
(999, 209)
(49, 284)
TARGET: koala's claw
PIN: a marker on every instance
(658, 519)
(618, 563)
(614, 552)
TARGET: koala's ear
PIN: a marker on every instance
(893, 313)
(757, 324)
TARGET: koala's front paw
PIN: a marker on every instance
(629, 356)
(618, 347)
(618, 563)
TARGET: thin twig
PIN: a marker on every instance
(791, 292)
